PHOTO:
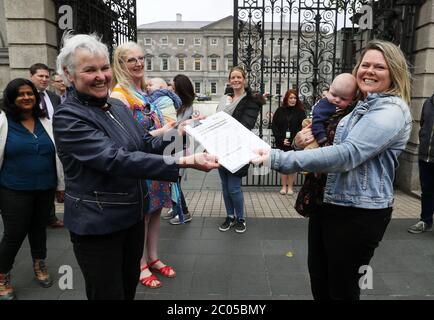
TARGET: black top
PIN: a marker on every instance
(246, 112)
(286, 119)
(426, 133)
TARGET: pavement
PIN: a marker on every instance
(268, 262)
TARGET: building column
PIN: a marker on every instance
(31, 33)
(4, 53)
(407, 177)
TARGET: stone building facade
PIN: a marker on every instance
(202, 50)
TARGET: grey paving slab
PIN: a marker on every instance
(268, 262)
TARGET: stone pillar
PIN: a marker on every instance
(4, 55)
(3, 39)
(31, 33)
(407, 178)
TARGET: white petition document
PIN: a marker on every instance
(229, 140)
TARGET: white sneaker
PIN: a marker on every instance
(175, 220)
(168, 215)
(419, 227)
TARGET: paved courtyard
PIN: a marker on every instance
(268, 262)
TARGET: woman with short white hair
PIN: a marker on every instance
(107, 157)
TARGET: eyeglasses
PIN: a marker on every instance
(135, 60)
(58, 81)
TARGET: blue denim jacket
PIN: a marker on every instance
(362, 162)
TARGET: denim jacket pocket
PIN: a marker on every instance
(363, 171)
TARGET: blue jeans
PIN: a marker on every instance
(426, 176)
(232, 194)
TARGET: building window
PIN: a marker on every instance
(197, 41)
(164, 41)
(148, 42)
(230, 42)
(181, 64)
(181, 41)
(164, 64)
(197, 64)
(265, 42)
(148, 64)
(213, 87)
(197, 87)
(214, 41)
(213, 64)
(279, 42)
(278, 88)
(229, 63)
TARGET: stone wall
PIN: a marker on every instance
(407, 178)
(4, 53)
(31, 33)
(3, 39)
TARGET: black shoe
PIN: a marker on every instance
(229, 222)
(240, 226)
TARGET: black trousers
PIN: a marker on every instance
(426, 176)
(340, 241)
(110, 263)
(24, 213)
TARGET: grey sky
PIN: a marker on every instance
(149, 11)
(192, 10)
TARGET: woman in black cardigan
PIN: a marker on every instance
(285, 124)
(244, 107)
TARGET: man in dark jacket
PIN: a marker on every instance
(426, 168)
(40, 76)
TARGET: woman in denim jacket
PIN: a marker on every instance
(361, 164)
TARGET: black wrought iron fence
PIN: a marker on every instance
(114, 20)
(304, 44)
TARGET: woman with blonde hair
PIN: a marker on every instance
(361, 164)
(243, 106)
(129, 86)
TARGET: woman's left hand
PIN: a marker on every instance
(60, 196)
(169, 125)
(263, 157)
(183, 124)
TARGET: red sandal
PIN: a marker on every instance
(148, 281)
(166, 271)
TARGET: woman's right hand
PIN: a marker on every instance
(200, 161)
(304, 137)
(286, 142)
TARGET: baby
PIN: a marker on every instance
(166, 100)
(340, 95)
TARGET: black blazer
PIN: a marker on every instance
(54, 98)
(246, 112)
(106, 158)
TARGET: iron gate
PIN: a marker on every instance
(303, 44)
(114, 20)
